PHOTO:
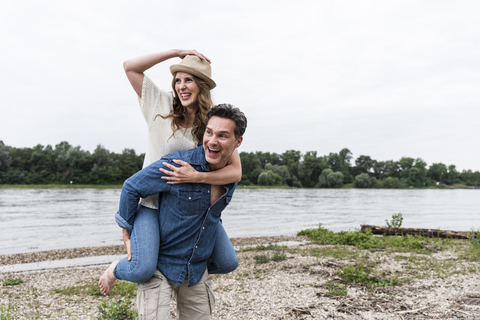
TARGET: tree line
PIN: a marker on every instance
(65, 164)
(334, 170)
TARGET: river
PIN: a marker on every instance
(45, 219)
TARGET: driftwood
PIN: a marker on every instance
(417, 232)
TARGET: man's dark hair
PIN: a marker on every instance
(228, 111)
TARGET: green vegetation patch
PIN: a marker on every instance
(5, 312)
(273, 247)
(12, 281)
(91, 288)
(370, 242)
(278, 253)
(260, 259)
(471, 250)
(336, 289)
(361, 274)
(279, 256)
(117, 310)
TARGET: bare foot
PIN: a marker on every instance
(107, 280)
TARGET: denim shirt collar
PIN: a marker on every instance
(198, 158)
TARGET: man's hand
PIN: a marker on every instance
(126, 241)
(183, 174)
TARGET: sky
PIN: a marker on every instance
(387, 79)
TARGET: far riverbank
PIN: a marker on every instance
(119, 186)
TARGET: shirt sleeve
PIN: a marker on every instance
(144, 183)
(154, 101)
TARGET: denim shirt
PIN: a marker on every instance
(188, 222)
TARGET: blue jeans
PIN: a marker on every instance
(145, 242)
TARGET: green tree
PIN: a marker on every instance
(374, 183)
(378, 168)
(335, 180)
(392, 169)
(363, 164)
(251, 167)
(394, 183)
(296, 183)
(437, 172)
(310, 168)
(291, 159)
(105, 169)
(5, 161)
(72, 163)
(267, 157)
(322, 179)
(413, 171)
(341, 162)
(452, 175)
(282, 171)
(269, 178)
(128, 163)
(5, 157)
(41, 165)
(362, 180)
(470, 178)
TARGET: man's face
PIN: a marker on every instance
(219, 141)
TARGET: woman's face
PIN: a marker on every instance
(187, 89)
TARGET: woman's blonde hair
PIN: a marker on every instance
(179, 112)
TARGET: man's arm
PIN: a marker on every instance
(144, 183)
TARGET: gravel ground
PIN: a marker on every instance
(294, 288)
(61, 254)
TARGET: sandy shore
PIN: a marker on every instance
(292, 288)
(61, 254)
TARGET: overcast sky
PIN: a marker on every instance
(382, 78)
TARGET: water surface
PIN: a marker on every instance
(44, 219)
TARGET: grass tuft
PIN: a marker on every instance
(5, 312)
(260, 259)
(12, 281)
(116, 310)
(360, 274)
(91, 288)
(336, 289)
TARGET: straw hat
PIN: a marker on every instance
(197, 67)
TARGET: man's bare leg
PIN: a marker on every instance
(107, 280)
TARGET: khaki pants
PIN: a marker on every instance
(193, 303)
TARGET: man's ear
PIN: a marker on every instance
(238, 142)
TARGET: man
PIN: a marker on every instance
(188, 220)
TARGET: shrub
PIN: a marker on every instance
(269, 178)
(116, 310)
(360, 274)
(362, 180)
(335, 180)
(322, 179)
(396, 221)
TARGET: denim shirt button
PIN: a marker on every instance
(189, 198)
(196, 247)
(208, 191)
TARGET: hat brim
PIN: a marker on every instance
(181, 68)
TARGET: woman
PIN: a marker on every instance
(175, 122)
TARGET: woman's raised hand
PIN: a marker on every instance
(183, 174)
(183, 53)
